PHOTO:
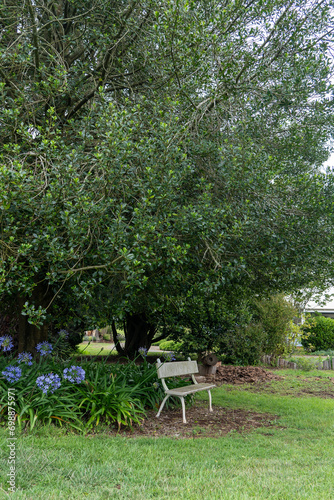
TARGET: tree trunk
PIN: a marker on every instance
(138, 333)
(30, 335)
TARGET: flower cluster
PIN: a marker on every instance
(44, 348)
(25, 357)
(49, 382)
(74, 374)
(12, 374)
(169, 356)
(142, 351)
(63, 333)
(156, 385)
(6, 342)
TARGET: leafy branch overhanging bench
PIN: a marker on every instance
(179, 368)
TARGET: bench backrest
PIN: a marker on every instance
(176, 368)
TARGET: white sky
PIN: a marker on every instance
(328, 305)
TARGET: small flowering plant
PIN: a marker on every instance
(25, 357)
(169, 356)
(142, 351)
(44, 348)
(74, 374)
(12, 374)
(6, 342)
(48, 383)
(63, 333)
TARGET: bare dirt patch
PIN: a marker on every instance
(201, 422)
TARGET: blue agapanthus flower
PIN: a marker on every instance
(25, 357)
(12, 374)
(142, 351)
(63, 333)
(6, 342)
(49, 382)
(74, 374)
(169, 356)
(44, 348)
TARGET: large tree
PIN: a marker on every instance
(158, 154)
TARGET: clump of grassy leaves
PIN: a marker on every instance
(110, 393)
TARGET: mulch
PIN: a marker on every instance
(203, 423)
(200, 422)
(227, 374)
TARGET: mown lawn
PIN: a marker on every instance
(94, 348)
(292, 460)
(99, 348)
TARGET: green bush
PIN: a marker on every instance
(276, 315)
(170, 345)
(328, 352)
(304, 364)
(243, 345)
(318, 334)
(243, 333)
(64, 343)
(294, 337)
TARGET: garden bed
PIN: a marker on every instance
(200, 422)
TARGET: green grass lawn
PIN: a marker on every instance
(101, 349)
(94, 348)
(292, 460)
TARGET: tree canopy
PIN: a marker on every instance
(160, 155)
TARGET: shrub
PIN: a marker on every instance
(243, 345)
(318, 333)
(328, 352)
(244, 333)
(294, 337)
(170, 345)
(276, 315)
(304, 364)
(65, 343)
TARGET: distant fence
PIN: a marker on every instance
(327, 364)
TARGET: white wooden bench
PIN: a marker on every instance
(175, 369)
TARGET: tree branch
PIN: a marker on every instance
(35, 35)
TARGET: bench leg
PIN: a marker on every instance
(210, 401)
(162, 405)
(183, 410)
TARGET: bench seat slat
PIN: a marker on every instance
(189, 389)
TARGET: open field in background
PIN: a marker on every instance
(104, 349)
(107, 348)
(94, 348)
(293, 458)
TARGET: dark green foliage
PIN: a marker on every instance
(243, 333)
(275, 315)
(64, 343)
(318, 333)
(176, 162)
(243, 345)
